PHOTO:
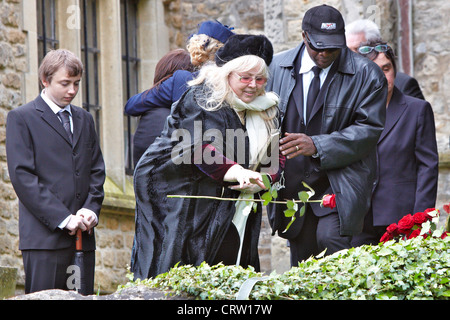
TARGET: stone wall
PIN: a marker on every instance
(12, 65)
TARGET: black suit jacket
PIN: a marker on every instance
(408, 85)
(407, 160)
(52, 178)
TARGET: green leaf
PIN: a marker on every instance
(303, 196)
(267, 197)
(266, 180)
(289, 212)
(302, 211)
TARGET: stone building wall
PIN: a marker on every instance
(13, 64)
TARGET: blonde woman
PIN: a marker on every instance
(214, 134)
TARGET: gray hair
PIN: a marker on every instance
(366, 26)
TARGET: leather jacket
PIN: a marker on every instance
(353, 117)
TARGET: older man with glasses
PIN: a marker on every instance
(407, 174)
(332, 102)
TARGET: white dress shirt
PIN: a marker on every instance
(307, 75)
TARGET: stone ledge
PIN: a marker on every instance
(444, 160)
(117, 200)
(138, 292)
(8, 277)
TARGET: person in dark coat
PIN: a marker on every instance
(332, 148)
(172, 73)
(407, 175)
(171, 77)
(214, 133)
(57, 171)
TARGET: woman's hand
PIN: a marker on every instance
(247, 179)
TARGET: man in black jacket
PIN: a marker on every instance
(331, 146)
(57, 170)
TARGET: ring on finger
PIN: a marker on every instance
(296, 147)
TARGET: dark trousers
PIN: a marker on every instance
(49, 269)
(371, 234)
(316, 235)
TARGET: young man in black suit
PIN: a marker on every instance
(57, 171)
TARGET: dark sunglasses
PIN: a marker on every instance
(317, 49)
(377, 48)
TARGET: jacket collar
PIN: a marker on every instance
(52, 119)
(397, 106)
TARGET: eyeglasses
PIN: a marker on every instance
(247, 79)
(377, 48)
(317, 49)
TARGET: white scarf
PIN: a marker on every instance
(258, 132)
(258, 135)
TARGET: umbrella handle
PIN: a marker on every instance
(79, 241)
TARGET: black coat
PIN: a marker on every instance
(408, 161)
(52, 179)
(351, 115)
(185, 231)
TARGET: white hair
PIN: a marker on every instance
(216, 78)
(366, 26)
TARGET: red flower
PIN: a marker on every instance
(429, 210)
(405, 224)
(444, 235)
(447, 208)
(386, 237)
(420, 217)
(414, 234)
(329, 201)
(392, 229)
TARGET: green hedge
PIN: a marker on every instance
(409, 269)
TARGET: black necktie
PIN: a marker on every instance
(64, 115)
(313, 91)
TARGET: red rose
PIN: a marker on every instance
(447, 208)
(414, 234)
(392, 229)
(420, 217)
(405, 224)
(429, 210)
(329, 201)
(386, 237)
(444, 235)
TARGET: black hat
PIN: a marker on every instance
(245, 44)
(325, 27)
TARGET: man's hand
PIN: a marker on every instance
(295, 144)
(75, 223)
(89, 218)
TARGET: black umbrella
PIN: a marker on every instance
(79, 262)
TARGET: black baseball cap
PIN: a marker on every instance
(325, 27)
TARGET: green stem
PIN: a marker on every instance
(236, 199)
